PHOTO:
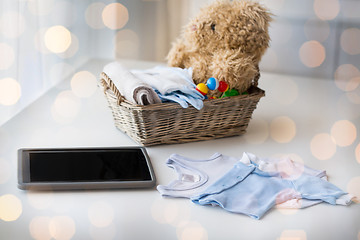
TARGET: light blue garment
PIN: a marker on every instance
(183, 99)
(246, 189)
(172, 84)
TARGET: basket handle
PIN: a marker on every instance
(257, 76)
(107, 83)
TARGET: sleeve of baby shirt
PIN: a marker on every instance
(315, 188)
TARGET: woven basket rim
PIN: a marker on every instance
(108, 86)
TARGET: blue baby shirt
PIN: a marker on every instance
(248, 190)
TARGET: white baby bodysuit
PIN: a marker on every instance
(194, 176)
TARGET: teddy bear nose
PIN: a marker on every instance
(193, 27)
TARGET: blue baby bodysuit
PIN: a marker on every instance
(248, 190)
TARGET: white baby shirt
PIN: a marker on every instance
(194, 176)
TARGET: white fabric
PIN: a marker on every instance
(131, 87)
(195, 175)
(167, 79)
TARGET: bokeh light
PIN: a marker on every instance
(354, 96)
(257, 131)
(10, 91)
(115, 16)
(312, 54)
(40, 7)
(344, 133)
(7, 56)
(347, 77)
(126, 44)
(293, 234)
(72, 49)
(323, 146)
(326, 9)
(93, 15)
(357, 153)
(191, 230)
(83, 84)
(57, 39)
(101, 214)
(5, 171)
(103, 233)
(39, 228)
(350, 41)
(317, 30)
(288, 170)
(10, 207)
(66, 107)
(172, 213)
(353, 187)
(12, 24)
(62, 227)
(157, 211)
(283, 129)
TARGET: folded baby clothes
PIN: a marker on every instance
(172, 84)
(155, 85)
(131, 87)
(194, 176)
(248, 190)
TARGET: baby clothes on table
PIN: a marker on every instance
(194, 176)
(287, 169)
(248, 190)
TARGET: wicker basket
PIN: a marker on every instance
(168, 123)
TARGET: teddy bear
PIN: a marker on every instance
(226, 40)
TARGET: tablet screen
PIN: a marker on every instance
(88, 166)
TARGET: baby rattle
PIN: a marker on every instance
(213, 84)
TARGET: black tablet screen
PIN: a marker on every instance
(88, 166)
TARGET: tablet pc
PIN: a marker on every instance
(84, 168)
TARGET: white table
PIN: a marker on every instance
(296, 114)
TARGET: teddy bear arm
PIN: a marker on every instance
(237, 70)
(177, 55)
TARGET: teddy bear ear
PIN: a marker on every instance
(260, 13)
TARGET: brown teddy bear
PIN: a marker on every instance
(226, 40)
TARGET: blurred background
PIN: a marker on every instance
(44, 41)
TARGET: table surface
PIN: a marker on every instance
(311, 120)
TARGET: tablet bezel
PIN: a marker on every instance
(24, 182)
